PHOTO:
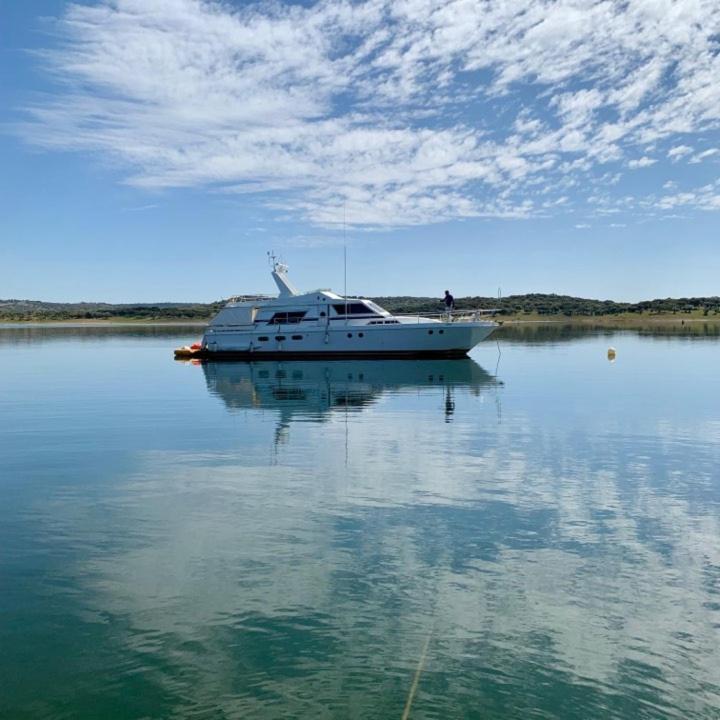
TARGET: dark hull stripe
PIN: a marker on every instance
(325, 355)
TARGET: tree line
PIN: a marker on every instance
(530, 304)
(550, 304)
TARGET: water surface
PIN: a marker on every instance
(531, 535)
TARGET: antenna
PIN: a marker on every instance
(345, 258)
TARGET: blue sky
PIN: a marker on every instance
(156, 149)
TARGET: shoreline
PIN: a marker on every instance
(78, 323)
(619, 321)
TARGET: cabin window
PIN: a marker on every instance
(353, 309)
(297, 337)
(361, 334)
(280, 338)
(349, 335)
(263, 338)
(285, 318)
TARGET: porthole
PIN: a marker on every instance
(349, 335)
(297, 337)
(361, 334)
(430, 332)
(440, 332)
(322, 313)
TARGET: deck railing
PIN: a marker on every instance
(471, 315)
(249, 298)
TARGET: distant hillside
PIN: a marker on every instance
(38, 310)
(531, 304)
(542, 304)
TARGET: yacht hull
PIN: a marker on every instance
(409, 340)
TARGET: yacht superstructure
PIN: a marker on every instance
(323, 323)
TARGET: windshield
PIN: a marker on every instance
(374, 307)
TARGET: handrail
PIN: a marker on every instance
(249, 298)
(451, 316)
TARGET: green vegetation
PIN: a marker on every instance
(539, 305)
(38, 311)
(514, 307)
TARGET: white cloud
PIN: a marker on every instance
(641, 162)
(141, 208)
(402, 112)
(705, 198)
(313, 241)
(679, 151)
(703, 155)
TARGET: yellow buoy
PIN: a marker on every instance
(611, 353)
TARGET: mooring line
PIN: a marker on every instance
(416, 679)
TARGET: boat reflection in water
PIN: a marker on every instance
(313, 390)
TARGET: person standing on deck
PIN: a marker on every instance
(449, 301)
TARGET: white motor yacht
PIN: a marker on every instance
(324, 324)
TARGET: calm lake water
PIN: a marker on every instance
(531, 535)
